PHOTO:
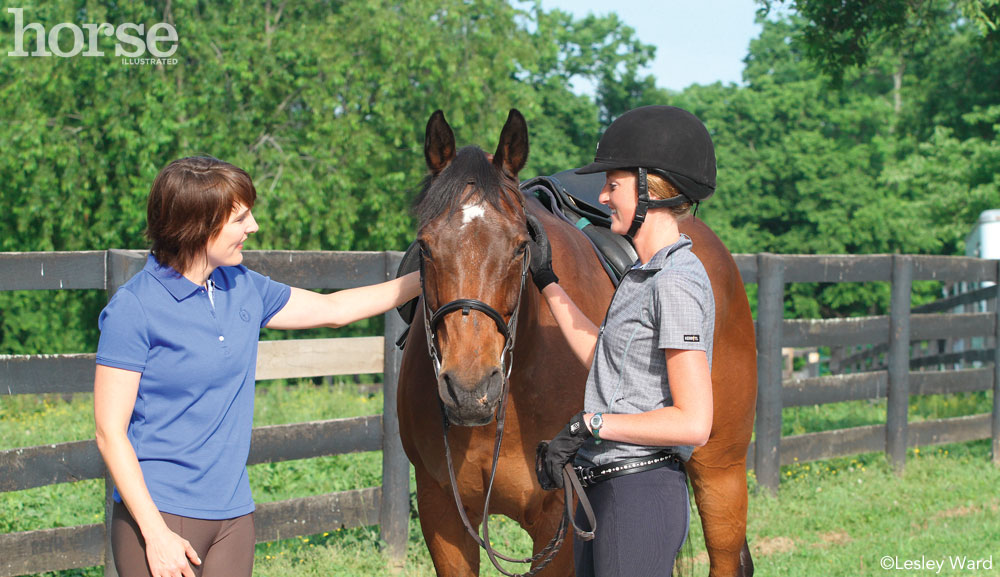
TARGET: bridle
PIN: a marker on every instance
(570, 482)
(508, 329)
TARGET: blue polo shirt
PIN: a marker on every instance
(193, 414)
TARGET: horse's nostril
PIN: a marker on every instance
(450, 386)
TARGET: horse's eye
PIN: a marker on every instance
(523, 248)
(425, 251)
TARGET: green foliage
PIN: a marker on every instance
(842, 34)
(50, 322)
(893, 159)
(325, 105)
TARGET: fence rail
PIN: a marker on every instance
(889, 337)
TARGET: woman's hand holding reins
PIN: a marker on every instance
(541, 255)
(552, 456)
(170, 555)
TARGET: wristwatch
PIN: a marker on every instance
(596, 422)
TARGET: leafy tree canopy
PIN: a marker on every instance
(860, 127)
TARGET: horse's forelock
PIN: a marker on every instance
(444, 194)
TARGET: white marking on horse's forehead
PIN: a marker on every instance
(471, 212)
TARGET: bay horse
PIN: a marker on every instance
(472, 239)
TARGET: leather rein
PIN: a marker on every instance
(570, 481)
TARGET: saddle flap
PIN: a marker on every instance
(579, 204)
(585, 189)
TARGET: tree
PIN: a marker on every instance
(943, 59)
(801, 168)
(841, 34)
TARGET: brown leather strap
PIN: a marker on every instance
(571, 484)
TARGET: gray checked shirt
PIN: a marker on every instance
(666, 303)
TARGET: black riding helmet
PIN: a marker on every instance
(664, 140)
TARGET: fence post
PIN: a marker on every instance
(898, 403)
(395, 466)
(996, 371)
(119, 266)
(770, 314)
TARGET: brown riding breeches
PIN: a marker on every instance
(225, 546)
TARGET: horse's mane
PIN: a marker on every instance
(470, 167)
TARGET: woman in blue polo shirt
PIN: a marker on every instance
(173, 391)
(648, 398)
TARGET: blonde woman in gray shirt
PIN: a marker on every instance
(648, 398)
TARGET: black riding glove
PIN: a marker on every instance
(551, 456)
(541, 255)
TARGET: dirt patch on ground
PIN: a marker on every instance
(956, 512)
(967, 510)
(833, 539)
(771, 546)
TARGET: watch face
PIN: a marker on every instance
(596, 421)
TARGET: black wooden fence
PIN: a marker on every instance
(83, 546)
(895, 334)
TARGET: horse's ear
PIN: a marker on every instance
(512, 152)
(439, 143)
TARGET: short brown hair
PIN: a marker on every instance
(661, 188)
(189, 203)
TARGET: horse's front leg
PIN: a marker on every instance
(541, 526)
(454, 552)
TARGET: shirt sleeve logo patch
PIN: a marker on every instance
(692, 339)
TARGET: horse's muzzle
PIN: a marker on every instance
(470, 406)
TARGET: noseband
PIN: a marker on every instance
(571, 483)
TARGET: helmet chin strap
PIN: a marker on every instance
(640, 208)
(645, 203)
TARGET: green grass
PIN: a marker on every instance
(811, 419)
(836, 517)
(841, 517)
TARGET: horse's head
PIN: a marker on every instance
(473, 240)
